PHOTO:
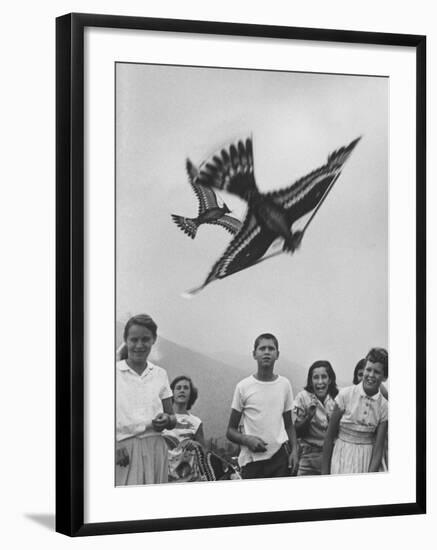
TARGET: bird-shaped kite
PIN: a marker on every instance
(209, 210)
(269, 216)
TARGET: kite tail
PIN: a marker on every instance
(188, 225)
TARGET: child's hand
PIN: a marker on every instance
(293, 461)
(122, 457)
(312, 410)
(161, 421)
(255, 444)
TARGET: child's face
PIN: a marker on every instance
(372, 377)
(181, 392)
(320, 382)
(266, 353)
(139, 343)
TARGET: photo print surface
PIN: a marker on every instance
(251, 274)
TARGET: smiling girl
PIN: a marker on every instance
(143, 408)
(359, 422)
(312, 409)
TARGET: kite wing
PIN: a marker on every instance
(229, 170)
(250, 244)
(305, 194)
(205, 195)
(231, 224)
(252, 241)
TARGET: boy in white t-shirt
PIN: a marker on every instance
(262, 402)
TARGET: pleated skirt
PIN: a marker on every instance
(352, 451)
(350, 458)
(148, 461)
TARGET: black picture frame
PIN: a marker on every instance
(70, 272)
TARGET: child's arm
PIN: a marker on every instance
(255, 443)
(383, 390)
(122, 457)
(378, 447)
(331, 434)
(166, 419)
(303, 420)
(291, 432)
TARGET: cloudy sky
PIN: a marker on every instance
(327, 301)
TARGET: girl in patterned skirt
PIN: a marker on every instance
(186, 455)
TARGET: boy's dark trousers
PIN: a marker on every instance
(276, 466)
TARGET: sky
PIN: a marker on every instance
(327, 301)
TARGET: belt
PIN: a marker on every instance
(349, 435)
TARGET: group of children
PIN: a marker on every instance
(322, 431)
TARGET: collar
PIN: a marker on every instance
(319, 403)
(123, 366)
(364, 394)
(328, 399)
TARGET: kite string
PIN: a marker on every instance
(320, 202)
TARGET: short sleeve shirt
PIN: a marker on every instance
(319, 422)
(186, 427)
(361, 411)
(262, 405)
(139, 399)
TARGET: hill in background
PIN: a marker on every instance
(293, 371)
(215, 377)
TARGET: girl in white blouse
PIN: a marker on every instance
(357, 430)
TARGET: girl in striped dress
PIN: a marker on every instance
(357, 430)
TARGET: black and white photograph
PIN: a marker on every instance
(217, 230)
(240, 249)
(251, 274)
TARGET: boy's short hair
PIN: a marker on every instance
(379, 355)
(266, 336)
(144, 321)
